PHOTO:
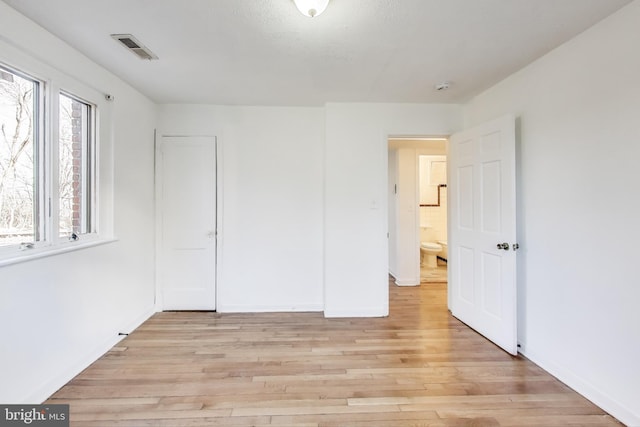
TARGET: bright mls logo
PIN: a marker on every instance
(34, 415)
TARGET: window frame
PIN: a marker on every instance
(89, 168)
(51, 83)
(40, 222)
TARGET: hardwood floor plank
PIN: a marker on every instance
(417, 367)
(375, 419)
(187, 422)
(313, 410)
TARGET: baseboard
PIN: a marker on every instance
(407, 282)
(68, 373)
(129, 327)
(586, 389)
(230, 308)
(360, 312)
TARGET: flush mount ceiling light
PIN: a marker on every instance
(311, 8)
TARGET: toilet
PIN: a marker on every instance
(444, 255)
(428, 254)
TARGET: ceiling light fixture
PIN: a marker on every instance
(311, 8)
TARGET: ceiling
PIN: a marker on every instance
(264, 52)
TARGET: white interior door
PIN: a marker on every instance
(483, 230)
(187, 211)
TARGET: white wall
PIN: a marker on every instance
(271, 161)
(356, 223)
(407, 238)
(61, 312)
(578, 207)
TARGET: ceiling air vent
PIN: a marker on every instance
(134, 46)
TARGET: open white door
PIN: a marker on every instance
(483, 230)
(187, 213)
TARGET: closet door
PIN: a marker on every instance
(187, 231)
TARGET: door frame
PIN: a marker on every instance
(157, 140)
(391, 135)
(419, 145)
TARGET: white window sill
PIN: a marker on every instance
(37, 253)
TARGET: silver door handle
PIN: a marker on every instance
(503, 246)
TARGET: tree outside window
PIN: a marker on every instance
(17, 159)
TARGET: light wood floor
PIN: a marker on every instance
(418, 367)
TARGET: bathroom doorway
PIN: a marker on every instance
(432, 198)
(417, 214)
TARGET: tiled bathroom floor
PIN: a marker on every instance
(438, 275)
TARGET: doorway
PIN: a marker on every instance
(417, 213)
(481, 284)
(432, 220)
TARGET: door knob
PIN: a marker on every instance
(503, 246)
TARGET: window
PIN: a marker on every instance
(19, 171)
(48, 182)
(75, 167)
